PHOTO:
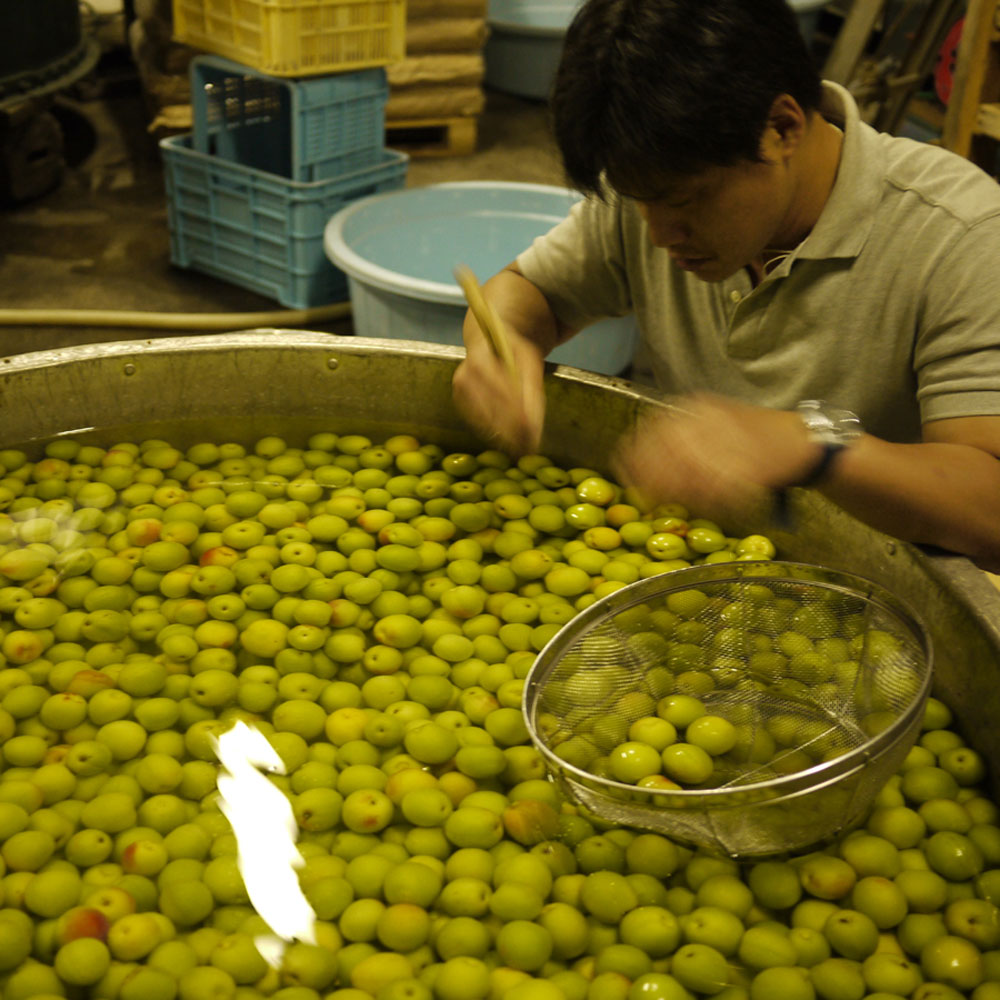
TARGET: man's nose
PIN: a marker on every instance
(666, 228)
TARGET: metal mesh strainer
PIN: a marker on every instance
(823, 677)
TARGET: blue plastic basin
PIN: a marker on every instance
(529, 17)
(526, 38)
(399, 252)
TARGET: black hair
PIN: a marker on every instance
(649, 89)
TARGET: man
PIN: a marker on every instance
(775, 250)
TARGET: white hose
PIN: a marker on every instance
(172, 321)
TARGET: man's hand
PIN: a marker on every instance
(718, 456)
(507, 409)
(715, 455)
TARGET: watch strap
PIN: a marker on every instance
(782, 509)
(818, 472)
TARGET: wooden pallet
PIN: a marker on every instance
(432, 136)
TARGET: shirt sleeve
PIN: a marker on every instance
(579, 265)
(957, 350)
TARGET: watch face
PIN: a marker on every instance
(829, 424)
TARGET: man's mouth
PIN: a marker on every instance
(689, 263)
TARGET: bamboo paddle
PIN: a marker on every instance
(487, 318)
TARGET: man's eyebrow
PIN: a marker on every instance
(661, 192)
(670, 197)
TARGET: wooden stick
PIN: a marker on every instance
(851, 40)
(486, 316)
(972, 72)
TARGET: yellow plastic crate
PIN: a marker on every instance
(296, 37)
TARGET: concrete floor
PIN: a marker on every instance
(100, 240)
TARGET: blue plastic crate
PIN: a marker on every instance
(261, 231)
(306, 130)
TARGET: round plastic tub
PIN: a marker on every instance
(524, 44)
(399, 251)
(526, 37)
(807, 12)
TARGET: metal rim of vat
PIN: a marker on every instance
(229, 378)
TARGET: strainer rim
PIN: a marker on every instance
(719, 573)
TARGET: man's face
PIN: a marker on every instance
(715, 222)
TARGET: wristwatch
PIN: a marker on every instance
(832, 428)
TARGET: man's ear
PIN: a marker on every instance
(786, 125)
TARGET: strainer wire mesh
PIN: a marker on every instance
(823, 674)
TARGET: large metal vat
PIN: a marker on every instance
(238, 387)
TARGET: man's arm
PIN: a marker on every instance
(718, 455)
(509, 412)
(580, 265)
(943, 491)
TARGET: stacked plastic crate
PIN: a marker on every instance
(288, 126)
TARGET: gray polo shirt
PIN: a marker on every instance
(890, 307)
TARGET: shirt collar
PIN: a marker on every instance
(847, 218)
